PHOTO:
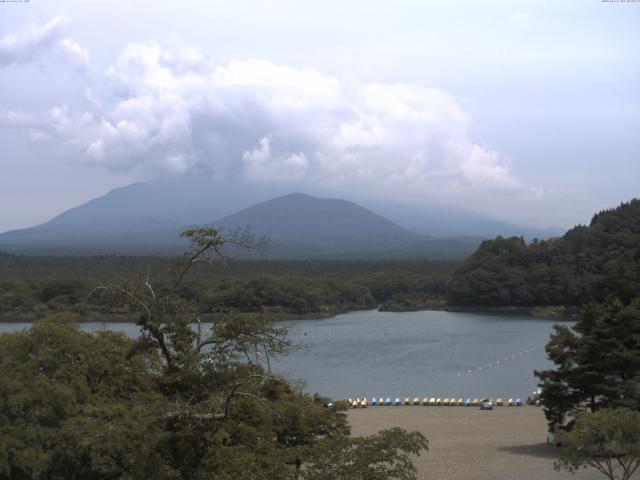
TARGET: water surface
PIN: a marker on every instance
(440, 354)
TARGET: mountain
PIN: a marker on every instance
(302, 226)
(146, 218)
(141, 218)
(300, 218)
(183, 200)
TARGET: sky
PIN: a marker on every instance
(527, 111)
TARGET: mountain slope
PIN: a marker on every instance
(141, 218)
(184, 200)
(146, 218)
(302, 226)
(299, 217)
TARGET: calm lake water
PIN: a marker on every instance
(427, 353)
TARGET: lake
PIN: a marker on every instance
(425, 353)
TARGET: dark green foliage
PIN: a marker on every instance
(385, 456)
(607, 440)
(597, 362)
(176, 403)
(31, 287)
(587, 264)
(75, 406)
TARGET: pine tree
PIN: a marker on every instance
(598, 362)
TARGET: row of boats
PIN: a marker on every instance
(449, 402)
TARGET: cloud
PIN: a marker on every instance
(169, 110)
(35, 41)
(13, 119)
(261, 164)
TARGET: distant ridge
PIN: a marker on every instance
(146, 219)
(446, 221)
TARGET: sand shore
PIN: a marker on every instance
(470, 444)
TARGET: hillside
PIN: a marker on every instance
(585, 265)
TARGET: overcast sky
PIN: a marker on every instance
(528, 111)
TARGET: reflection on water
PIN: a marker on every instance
(428, 353)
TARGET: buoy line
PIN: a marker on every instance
(498, 362)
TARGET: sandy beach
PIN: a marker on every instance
(467, 443)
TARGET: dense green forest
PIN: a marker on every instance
(587, 264)
(176, 403)
(33, 286)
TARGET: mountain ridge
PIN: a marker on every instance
(147, 217)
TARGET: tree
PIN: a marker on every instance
(76, 406)
(180, 402)
(587, 264)
(607, 440)
(385, 456)
(597, 360)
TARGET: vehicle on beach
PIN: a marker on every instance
(534, 399)
(486, 404)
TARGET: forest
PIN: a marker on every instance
(32, 287)
(587, 264)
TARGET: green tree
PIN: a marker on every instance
(607, 440)
(587, 264)
(77, 406)
(385, 456)
(180, 402)
(597, 362)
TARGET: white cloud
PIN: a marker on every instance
(166, 110)
(13, 119)
(35, 42)
(261, 164)
(74, 52)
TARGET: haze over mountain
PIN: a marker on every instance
(148, 217)
(448, 221)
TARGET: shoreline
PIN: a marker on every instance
(560, 313)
